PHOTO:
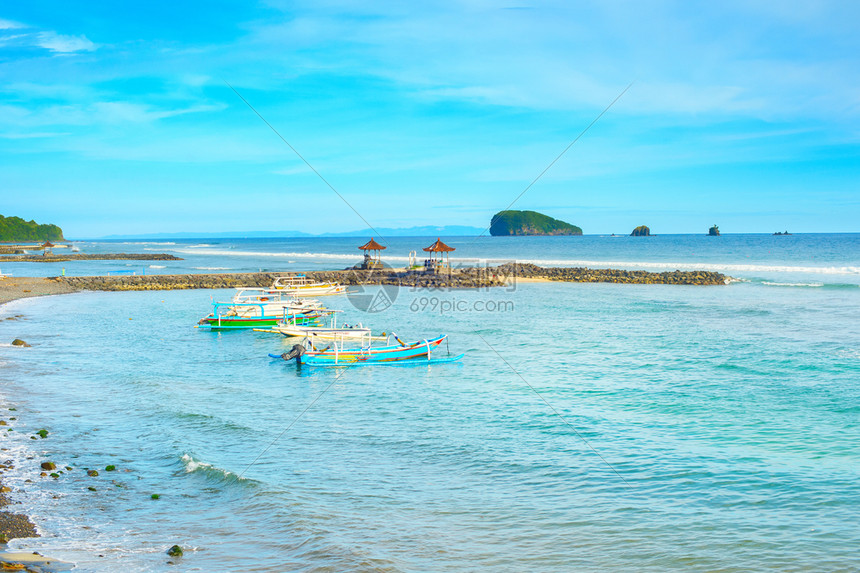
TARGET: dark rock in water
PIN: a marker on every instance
(42, 434)
(110, 468)
(641, 231)
(155, 496)
(175, 551)
(91, 488)
(92, 473)
(49, 466)
(714, 231)
(19, 342)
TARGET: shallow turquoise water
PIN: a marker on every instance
(590, 427)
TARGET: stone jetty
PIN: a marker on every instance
(53, 258)
(586, 275)
(465, 278)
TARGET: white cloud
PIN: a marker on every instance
(9, 24)
(98, 113)
(61, 44)
(33, 135)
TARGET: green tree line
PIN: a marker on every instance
(16, 229)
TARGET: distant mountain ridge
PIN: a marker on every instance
(420, 231)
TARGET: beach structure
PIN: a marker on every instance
(47, 245)
(372, 255)
(439, 257)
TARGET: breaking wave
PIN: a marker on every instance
(208, 470)
(770, 283)
(693, 265)
(287, 255)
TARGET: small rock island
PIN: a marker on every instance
(641, 231)
(714, 231)
(510, 223)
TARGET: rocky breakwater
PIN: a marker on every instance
(169, 282)
(464, 278)
(586, 275)
(53, 258)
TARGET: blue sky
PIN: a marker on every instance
(116, 119)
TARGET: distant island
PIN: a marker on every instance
(507, 223)
(641, 231)
(16, 229)
(714, 231)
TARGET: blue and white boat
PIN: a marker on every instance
(339, 353)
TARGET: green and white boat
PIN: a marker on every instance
(260, 308)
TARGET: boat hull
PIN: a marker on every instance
(317, 333)
(240, 322)
(393, 353)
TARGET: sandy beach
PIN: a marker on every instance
(12, 288)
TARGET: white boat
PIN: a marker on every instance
(300, 285)
(294, 327)
(274, 301)
(256, 307)
(339, 354)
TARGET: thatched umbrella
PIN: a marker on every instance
(442, 249)
(368, 249)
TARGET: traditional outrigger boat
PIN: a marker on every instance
(274, 300)
(336, 354)
(230, 315)
(257, 308)
(294, 327)
(300, 285)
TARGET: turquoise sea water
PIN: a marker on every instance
(590, 426)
